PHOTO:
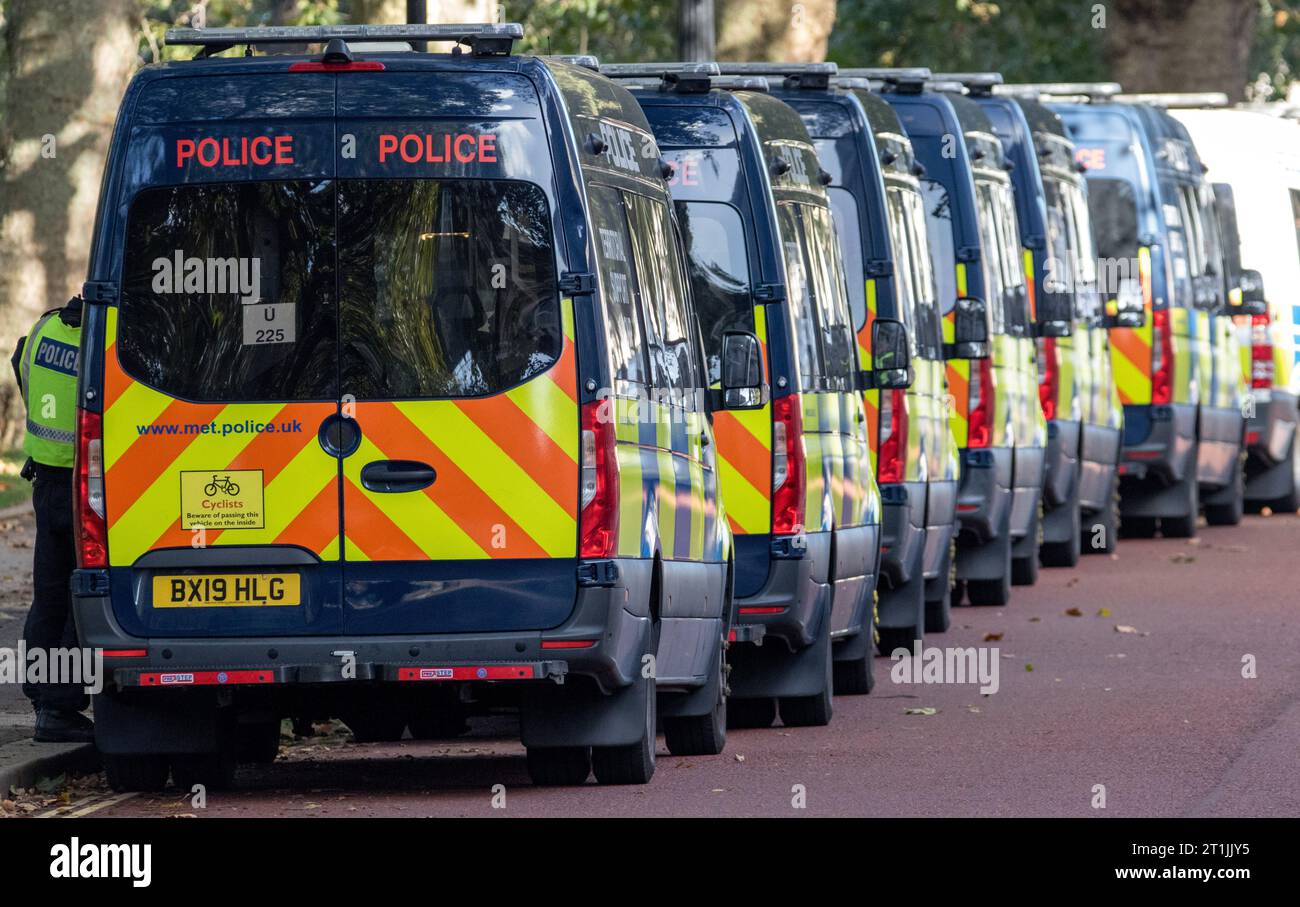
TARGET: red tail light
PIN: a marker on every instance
(789, 476)
(1049, 376)
(979, 428)
(91, 527)
(1261, 352)
(1162, 358)
(598, 521)
(893, 436)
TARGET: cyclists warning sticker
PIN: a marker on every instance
(222, 499)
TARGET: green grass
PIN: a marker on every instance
(13, 488)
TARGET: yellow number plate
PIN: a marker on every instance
(220, 590)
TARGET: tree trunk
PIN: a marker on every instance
(696, 36)
(1181, 45)
(775, 30)
(68, 62)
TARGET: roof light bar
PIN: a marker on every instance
(793, 75)
(1091, 90)
(1181, 99)
(586, 61)
(483, 39)
(977, 83)
(687, 78)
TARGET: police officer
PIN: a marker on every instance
(45, 363)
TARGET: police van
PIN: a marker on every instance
(1075, 385)
(1152, 211)
(796, 472)
(880, 214)
(1254, 161)
(994, 409)
(393, 409)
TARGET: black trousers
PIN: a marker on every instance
(49, 623)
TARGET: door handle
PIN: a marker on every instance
(395, 476)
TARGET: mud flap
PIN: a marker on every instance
(772, 670)
(698, 701)
(160, 725)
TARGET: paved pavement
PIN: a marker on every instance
(1125, 673)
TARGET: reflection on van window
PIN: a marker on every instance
(186, 335)
(845, 209)
(943, 253)
(798, 288)
(625, 337)
(662, 302)
(1113, 210)
(719, 272)
(447, 287)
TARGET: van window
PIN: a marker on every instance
(904, 266)
(664, 309)
(799, 293)
(845, 209)
(625, 336)
(719, 273)
(991, 263)
(929, 330)
(838, 346)
(943, 251)
(1082, 266)
(447, 287)
(195, 255)
(1019, 318)
(1112, 206)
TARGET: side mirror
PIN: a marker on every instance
(1055, 315)
(891, 358)
(742, 372)
(970, 330)
(1129, 309)
(1250, 289)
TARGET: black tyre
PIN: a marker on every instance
(938, 608)
(750, 713)
(892, 638)
(258, 743)
(814, 710)
(1137, 527)
(143, 773)
(1184, 527)
(215, 771)
(635, 762)
(701, 735)
(1290, 502)
(1024, 570)
(1101, 531)
(857, 677)
(1231, 511)
(559, 766)
(380, 726)
(993, 592)
(1066, 553)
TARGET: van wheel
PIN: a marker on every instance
(1137, 527)
(215, 771)
(1290, 502)
(258, 743)
(993, 592)
(1231, 512)
(938, 610)
(635, 762)
(559, 766)
(380, 726)
(1066, 553)
(892, 638)
(814, 710)
(857, 677)
(142, 772)
(701, 735)
(750, 713)
(1184, 527)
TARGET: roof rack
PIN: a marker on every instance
(483, 39)
(909, 79)
(979, 84)
(793, 75)
(1091, 91)
(689, 78)
(843, 82)
(1183, 99)
(949, 85)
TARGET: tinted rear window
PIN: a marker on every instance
(1113, 209)
(384, 289)
(719, 272)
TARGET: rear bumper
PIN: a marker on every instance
(1158, 444)
(603, 638)
(790, 603)
(902, 530)
(985, 493)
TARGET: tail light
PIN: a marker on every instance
(979, 428)
(789, 478)
(1261, 352)
(1162, 357)
(91, 526)
(1049, 376)
(598, 521)
(893, 436)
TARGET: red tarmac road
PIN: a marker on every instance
(1160, 715)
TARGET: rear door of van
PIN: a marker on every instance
(220, 360)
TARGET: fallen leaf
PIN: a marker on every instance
(1074, 581)
(739, 757)
(1029, 666)
(1034, 620)
(1183, 559)
(1074, 612)
(992, 637)
(927, 711)
(1103, 612)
